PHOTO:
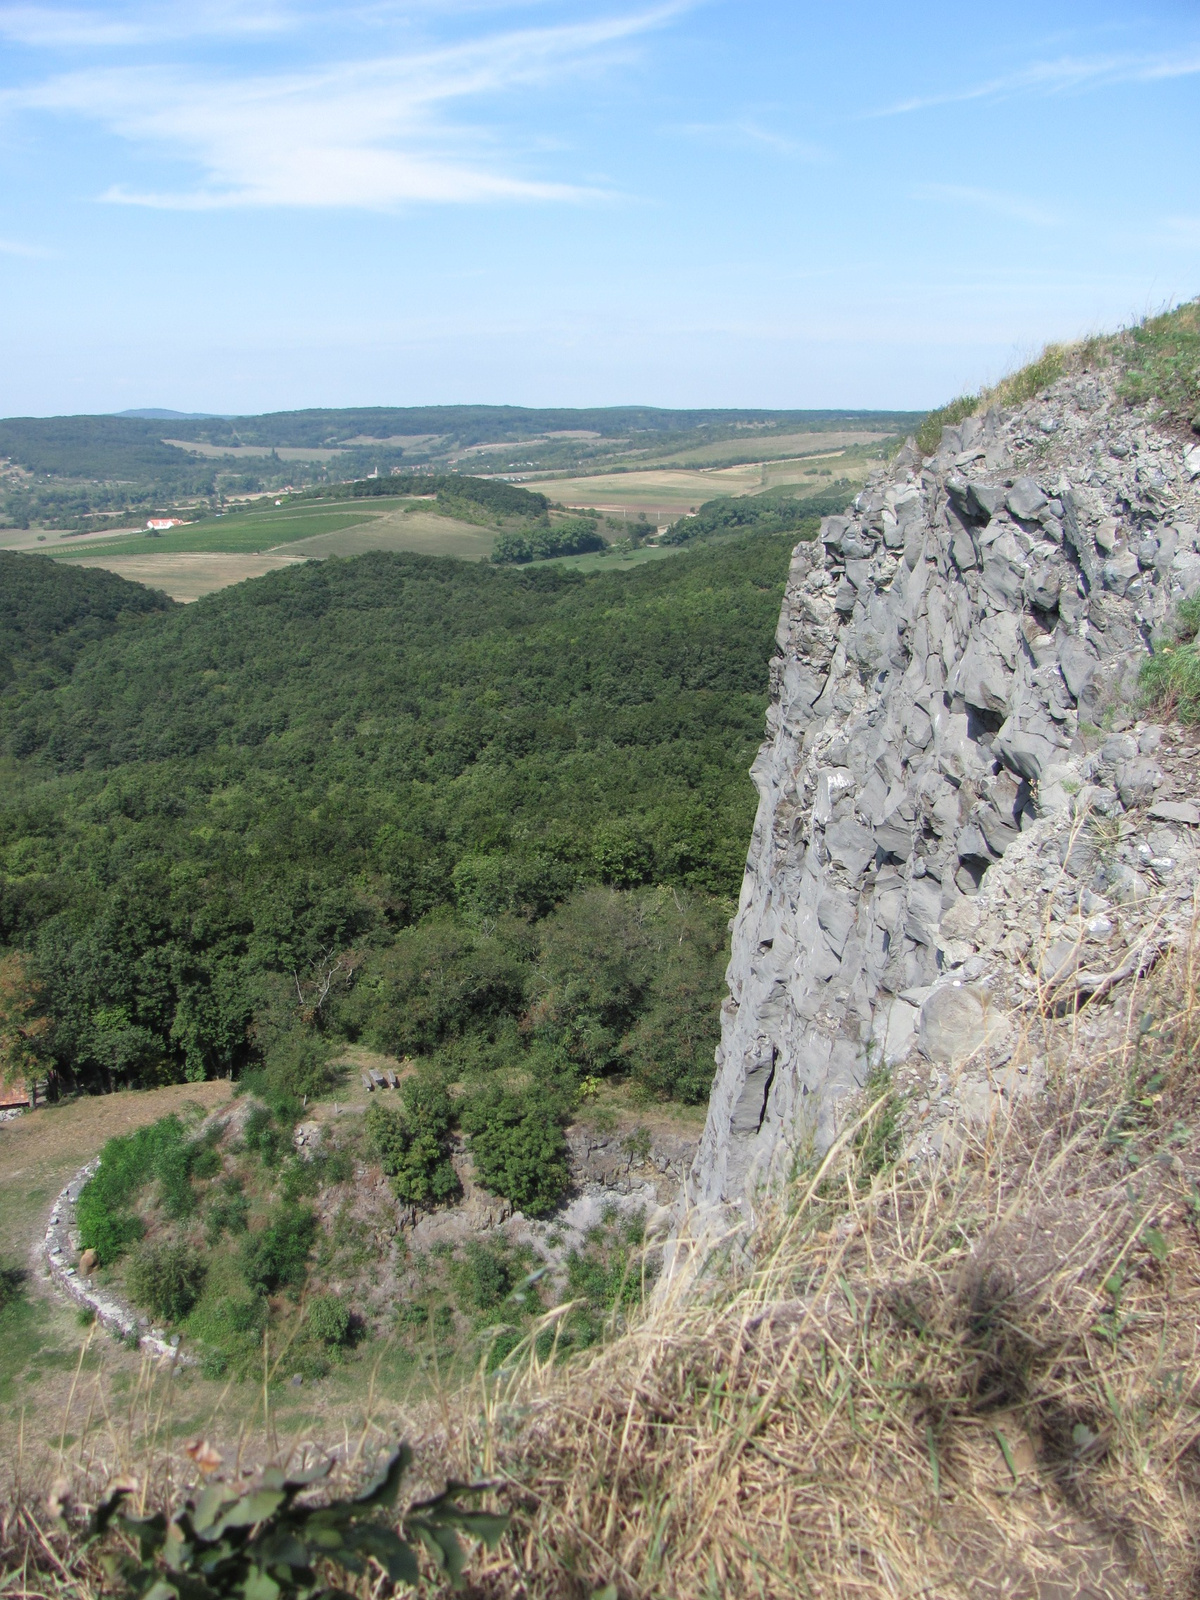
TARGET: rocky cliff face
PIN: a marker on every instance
(952, 707)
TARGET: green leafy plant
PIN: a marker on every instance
(259, 1544)
(519, 1149)
(328, 1319)
(166, 1279)
(127, 1164)
(278, 1255)
(412, 1142)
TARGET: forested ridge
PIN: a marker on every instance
(493, 819)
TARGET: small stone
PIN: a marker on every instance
(1185, 811)
(957, 1022)
(297, 1379)
(1107, 540)
(1025, 499)
(1137, 781)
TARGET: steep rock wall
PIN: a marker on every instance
(948, 653)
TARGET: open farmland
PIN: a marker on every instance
(240, 533)
(781, 447)
(664, 493)
(195, 560)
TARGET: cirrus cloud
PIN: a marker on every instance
(363, 133)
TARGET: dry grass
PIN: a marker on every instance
(976, 1380)
(979, 1378)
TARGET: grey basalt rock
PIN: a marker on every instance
(943, 648)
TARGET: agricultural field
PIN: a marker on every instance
(781, 447)
(664, 493)
(195, 560)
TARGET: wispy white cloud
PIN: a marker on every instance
(1010, 206)
(1067, 72)
(15, 247)
(744, 134)
(367, 133)
(74, 28)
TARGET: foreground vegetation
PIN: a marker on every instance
(977, 1375)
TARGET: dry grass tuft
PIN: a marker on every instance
(980, 1379)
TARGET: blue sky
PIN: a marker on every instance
(244, 205)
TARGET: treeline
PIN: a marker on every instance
(774, 511)
(452, 489)
(571, 536)
(380, 798)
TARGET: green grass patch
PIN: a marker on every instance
(1163, 362)
(26, 1348)
(1170, 679)
(244, 533)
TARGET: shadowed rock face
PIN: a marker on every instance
(946, 651)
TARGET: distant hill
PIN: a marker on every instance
(63, 471)
(157, 414)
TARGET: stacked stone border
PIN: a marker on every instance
(61, 1248)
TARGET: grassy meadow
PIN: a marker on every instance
(238, 533)
(664, 493)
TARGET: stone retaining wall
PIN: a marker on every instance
(61, 1247)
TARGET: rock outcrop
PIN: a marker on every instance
(951, 729)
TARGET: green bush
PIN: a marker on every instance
(166, 1279)
(297, 1065)
(1163, 362)
(268, 1141)
(485, 1275)
(442, 978)
(277, 1257)
(411, 1141)
(775, 511)
(228, 1210)
(328, 1319)
(127, 1164)
(569, 537)
(518, 1146)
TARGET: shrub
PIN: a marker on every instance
(258, 1540)
(297, 1065)
(127, 1164)
(328, 1319)
(412, 1142)
(1163, 362)
(260, 1134)
(278, 1255)
(485, 1275)
(166, 1279)
(519, 1149)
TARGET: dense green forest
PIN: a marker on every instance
(494, 819)
(773, 511)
